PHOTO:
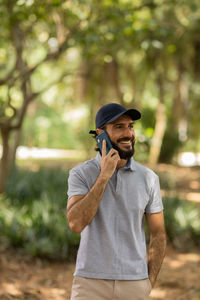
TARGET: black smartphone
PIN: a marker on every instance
(104, 136)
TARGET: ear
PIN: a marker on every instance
(98, 130)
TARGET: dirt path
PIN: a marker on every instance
(25, 278)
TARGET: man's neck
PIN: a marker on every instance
(122, 163)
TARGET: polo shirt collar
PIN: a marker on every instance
(129, 166)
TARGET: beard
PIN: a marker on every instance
(124, 154)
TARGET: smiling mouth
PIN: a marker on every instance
(126, 142)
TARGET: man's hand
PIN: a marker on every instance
(81, 209)
(109, 161)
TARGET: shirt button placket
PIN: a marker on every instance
(118, 182)
(118, 245)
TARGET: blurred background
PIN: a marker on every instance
(60, 61)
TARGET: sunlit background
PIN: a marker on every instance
(60, 61)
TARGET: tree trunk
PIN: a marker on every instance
(113, 82)
(176, 132)
(4, 163)
(159, 127)
(82, 83)
(181, 95)
(16, 143)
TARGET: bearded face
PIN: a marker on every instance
(125, 154)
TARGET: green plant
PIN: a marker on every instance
(26, 185)
(182, 222)
(32, 214)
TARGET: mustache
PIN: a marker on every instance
(125, 139)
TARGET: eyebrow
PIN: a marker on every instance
(123, 123)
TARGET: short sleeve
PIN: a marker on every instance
(77, 185)
(155, 200)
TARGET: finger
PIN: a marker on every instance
(116, 156)
(112, 152)
(104, 148)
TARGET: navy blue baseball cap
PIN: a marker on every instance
(112, 111)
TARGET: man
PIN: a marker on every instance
(108, 198)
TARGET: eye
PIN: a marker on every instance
(118, 126)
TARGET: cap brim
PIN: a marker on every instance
(133, 113)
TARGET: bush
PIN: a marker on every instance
(32, 214)
(24, 186)
(182, 222)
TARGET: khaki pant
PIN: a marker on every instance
(99, 289)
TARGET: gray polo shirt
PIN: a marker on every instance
(113, 245)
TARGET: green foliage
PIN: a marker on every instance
(182, 221)
(47, 128)
(26, 185)
(144, 132)
(125, 46)
(33, 216)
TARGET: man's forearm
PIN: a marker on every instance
(83, 211)
(156, 255)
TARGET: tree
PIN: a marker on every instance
(33, 39)
(125, 49)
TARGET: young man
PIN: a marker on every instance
(108, 198)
